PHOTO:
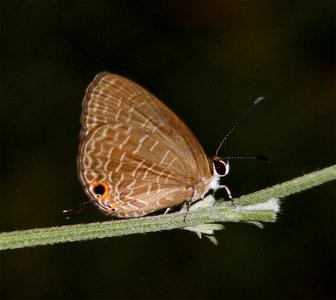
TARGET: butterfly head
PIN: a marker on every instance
(220, 168)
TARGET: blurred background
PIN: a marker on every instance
(207, 61)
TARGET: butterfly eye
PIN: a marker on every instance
(99, 189)
(221, 167)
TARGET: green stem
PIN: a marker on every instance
(246, 211)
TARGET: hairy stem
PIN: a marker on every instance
(253, 208)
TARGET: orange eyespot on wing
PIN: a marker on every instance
(99, 190)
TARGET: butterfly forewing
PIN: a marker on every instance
(139, 148)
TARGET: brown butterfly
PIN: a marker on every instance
(136, 156)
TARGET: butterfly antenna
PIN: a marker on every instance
(260, 157)
(242, 116)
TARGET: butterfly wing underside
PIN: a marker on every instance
(131, 141)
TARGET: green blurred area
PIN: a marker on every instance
(206, 60)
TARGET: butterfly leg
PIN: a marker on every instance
(192, 199)
(228, 192)
(167, 211)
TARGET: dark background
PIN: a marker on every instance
(206, 61)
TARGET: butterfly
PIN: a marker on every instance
(136, 156)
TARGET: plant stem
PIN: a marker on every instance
(249, 209)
